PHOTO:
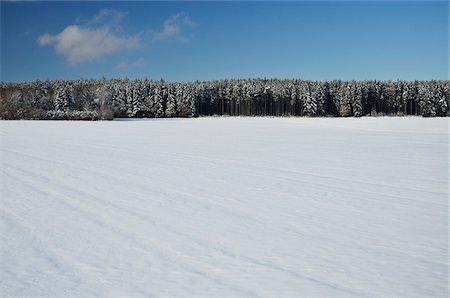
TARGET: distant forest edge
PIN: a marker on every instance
(106, 99)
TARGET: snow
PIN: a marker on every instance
(254, 207)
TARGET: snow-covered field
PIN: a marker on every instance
(266, 207)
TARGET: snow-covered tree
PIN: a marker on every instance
(171, 108)
(345, 102)
(64, 98)
(357, 104)
(147, 98)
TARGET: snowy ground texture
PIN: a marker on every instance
(250, 207)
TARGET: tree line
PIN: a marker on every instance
(108, 98)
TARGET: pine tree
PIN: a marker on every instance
(310, 100)
(171, 104)
(345, 101)
(61, 100)
(357, 102)
(159, 105)
(321, 99)
(293, 98)
(443, 106)
(426, 102)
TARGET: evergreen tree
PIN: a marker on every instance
(358, 101)
(171, 104)
(426, 102)
(345, 101)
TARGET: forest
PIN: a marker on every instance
(105, 99)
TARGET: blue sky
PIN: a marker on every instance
(187, 41)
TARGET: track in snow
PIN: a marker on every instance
(256, 207)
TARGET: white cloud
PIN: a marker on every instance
(96, 38)
(102, 35)
(172, 27)
(45, 39)
(125, 65)
(108, 15)
(78, 44)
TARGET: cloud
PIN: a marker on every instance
(80, 43)
(105, 16)
(102, 35)
(173, 26)
(45, 39)
(125, 65)
(108, 15)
